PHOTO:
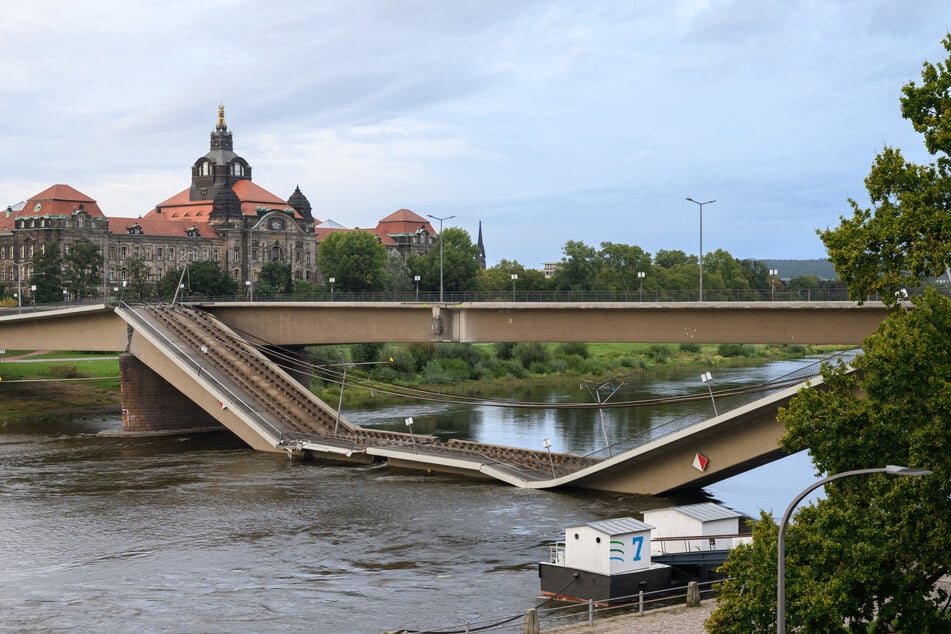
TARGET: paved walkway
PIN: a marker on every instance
(677, 619)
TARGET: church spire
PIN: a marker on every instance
(481, 248)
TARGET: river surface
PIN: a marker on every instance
(198, 534)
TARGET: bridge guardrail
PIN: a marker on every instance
(727, 403)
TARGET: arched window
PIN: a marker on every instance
(237, 169)
(204, 169)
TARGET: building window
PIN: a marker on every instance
(171, 253)
(216, 255)
(204, 253)
(123, 253)
(159, 253)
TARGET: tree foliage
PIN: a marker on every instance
(355, 259)
(84, 269)
(460, 263)
(47, 274)
(578, 268)
(135, 272)
(905, 237)
(275, 279)
(869, 554)
(201, 278)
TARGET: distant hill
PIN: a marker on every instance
(789, 269)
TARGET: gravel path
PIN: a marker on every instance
(678, 619)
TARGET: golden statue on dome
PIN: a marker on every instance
(221, 118)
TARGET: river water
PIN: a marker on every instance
(198, 534)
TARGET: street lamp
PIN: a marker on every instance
(440, 249)
(204, 351)
(547, 445)
(33, 296)
(409, 423)
(706, 378)
(640, 278)
(514, 279)
(332, 280)
(416, 279)
(65, 295)
(781, 541)
(247, 284)
(772, 282)
(700, 259)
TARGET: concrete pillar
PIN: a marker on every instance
(150, 404)
(693, 594)
(531, 622)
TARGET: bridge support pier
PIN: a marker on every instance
(151, 405)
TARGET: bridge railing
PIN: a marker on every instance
(726, 404)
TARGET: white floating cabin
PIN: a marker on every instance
(611, 561)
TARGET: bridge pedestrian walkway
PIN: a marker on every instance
(290, 418)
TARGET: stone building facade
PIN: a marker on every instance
(223, 216)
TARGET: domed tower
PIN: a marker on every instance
(226, 205)
(300, 204)
(220, 168)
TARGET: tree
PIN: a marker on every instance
(498, 278)
(47, 274)
(460, 262)
(202, 278)
(620, 264)
(578, 267)
(84, 269)
(870, 553)
(275, 279)
(905, 237)
(135, 272)
(355, 259)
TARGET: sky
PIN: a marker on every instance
(547, 121)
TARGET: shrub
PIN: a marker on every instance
(659, 352)
(366, 352)
(528, 353)
(579, 349)
(736, 350)
(504, 350)
(64, 371)
(692, 348)
(443, 371)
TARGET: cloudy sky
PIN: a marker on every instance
(547, 120)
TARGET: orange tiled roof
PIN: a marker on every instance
(58, 200)
(160, 226)
(252, 196)
(404, 222)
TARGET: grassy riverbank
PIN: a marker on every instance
(37, 386)
(491, 370)
(56, 384)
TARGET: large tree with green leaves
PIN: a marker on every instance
(905, 237)
(275, 279)
(868, 555)
(84, 269)
(460, 262)
(201, 278)
(47, 274)
(135, 274)
(578, 268)
(355, 259)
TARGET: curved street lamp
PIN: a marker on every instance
(781, 542)
(700, 258)
(440, 249)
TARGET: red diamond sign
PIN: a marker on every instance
(700, 462)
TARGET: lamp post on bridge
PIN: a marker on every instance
(772, 283)
(706, 378)
(440, 250)
(700, 257)
(416, 279)
(781, 540)
(514, 279)
(640, 278)
(332, 280)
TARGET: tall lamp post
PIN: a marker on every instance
(700, 259)
(33, 296)
(416, 279)
(772, 283)
(640, 278)
(332, 280)
(440, 249)
(781, 541)
(514, 279)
